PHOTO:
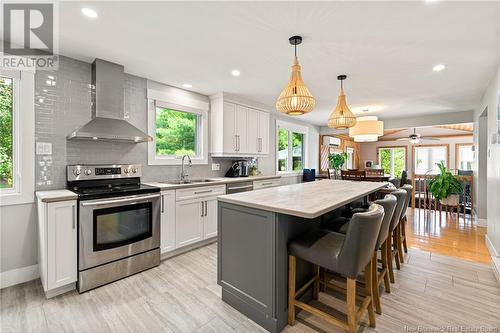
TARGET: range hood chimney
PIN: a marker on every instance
(108, 122)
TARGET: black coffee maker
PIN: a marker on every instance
(238, 169)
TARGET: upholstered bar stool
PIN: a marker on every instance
(392, 250)
(347, 255)
(389, 204)
(409, 191)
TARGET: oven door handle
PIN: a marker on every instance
(134, 200)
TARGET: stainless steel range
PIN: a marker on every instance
(118, 223)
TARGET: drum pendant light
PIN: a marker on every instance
(341, 117)
(367, 129)
(295, 99)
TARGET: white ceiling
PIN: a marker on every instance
(387, 49)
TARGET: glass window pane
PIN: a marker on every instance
(392, 160)
(427, 158)
(399, 162)
(282, 150)
(176, 133)
(465, 158)
(385, 159)
(297, 151)
(6, 132)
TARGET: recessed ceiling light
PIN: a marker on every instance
(235, 72)
(187, 85)
(89, 12)
(438, 68)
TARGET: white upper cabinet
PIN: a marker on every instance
(237, 129)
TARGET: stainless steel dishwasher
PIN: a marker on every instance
(239, 187)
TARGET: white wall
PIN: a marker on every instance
(369, 150)
(490, 101)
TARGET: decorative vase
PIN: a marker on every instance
(452, 200)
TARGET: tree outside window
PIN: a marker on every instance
(6, 132)
(392, 160)
(291, 150)
(176, 133)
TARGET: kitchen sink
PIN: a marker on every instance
(189, 181)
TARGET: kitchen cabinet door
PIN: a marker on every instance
(253, 141)
(263, 137)
(229, 134)
(210, 218)
(61, 244)
(188, 222)
(241, 129)
(167, 228)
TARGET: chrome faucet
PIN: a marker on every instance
(184, 174)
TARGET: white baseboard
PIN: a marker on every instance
(491, 248)
(481, 222)
(19, 275)
(495, 259)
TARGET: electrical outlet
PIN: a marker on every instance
(44, 148)
(215, 166)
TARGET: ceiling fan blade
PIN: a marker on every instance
(402, 139)
(430, 138)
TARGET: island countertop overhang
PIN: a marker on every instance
(307, 200)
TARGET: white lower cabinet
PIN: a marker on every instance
(260, 184)
(210, 218)
(196, 214)
(167, 227)
(188, 218)
(58, 241)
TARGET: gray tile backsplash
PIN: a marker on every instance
(63, 103)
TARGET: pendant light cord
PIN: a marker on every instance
(295, 48)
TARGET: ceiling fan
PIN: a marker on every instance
(415, 138)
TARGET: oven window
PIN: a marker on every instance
(118, 226)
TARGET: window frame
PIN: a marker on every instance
(202, 139)
(23, 138)
(457, 153)
(446, 145)
(393, 147)
(291, 128)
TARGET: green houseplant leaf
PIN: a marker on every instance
(444, 184)
(337, 160)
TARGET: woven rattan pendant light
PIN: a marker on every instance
(295, 99)
(341, 117)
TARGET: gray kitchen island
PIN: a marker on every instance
(254, 229)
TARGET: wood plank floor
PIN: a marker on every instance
(181, 295)
(446, 235)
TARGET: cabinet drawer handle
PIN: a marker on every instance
(162, 203)
(74, 217)
(264, 184)
(200, 192)
(206, 208)
(202, 210)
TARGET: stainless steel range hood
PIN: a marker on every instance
(108, 122)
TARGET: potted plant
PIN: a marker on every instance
(253, 170)
(336, 162)
(445, 187)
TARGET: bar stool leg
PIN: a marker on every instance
(400, 242)
(292, 264)
(388, 253)
(405, 246)
(395, 247)
(385, 265)
(369, 293)
(351, 305)
(375, 290)
(316, 283)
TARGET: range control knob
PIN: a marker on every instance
(77, 172)
(127, 171)
(88, 172)
(134, 170)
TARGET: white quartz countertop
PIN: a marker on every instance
(213, 181)
(56, 195)
(308, 200)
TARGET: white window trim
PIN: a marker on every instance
(297, 129)
(23, 140)
(153, 159)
